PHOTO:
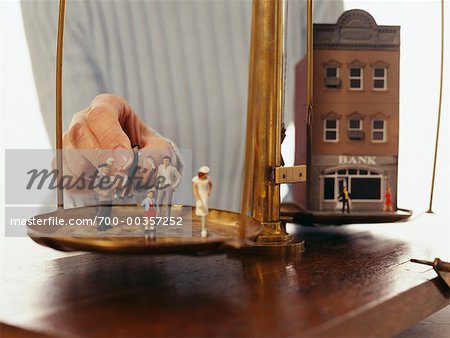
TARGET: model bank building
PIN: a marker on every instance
(355, 119)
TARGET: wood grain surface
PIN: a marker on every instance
(351, 281)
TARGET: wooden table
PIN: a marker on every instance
(351, 281)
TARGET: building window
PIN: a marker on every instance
(363, 184)
(332, 79)
(355, 129)
(378, 131)
(328, 193)
(356, 78)
(379, 78)
(366, 188)
(331, 130)
(331, 71)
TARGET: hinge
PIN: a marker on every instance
(295, 174)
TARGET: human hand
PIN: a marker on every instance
(108, 128)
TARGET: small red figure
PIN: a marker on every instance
(388, 200)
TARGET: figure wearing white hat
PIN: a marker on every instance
(202, 187)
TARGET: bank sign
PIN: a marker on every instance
(327, 161)
(368, 160)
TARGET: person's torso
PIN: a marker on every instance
(202, 185)
(166, 172)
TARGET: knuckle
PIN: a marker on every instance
(80, 116)
(111, 139)
(95, 114)
(76, 131)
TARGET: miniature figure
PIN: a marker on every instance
(149, 205)
(104, 190)
(112, 172)
(202, 187)
(388, 200)
(132, 166)
(171, 179)
(344, 197)
(111, 166)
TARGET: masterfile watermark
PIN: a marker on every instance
(104, 194)
(31, 176)
(51, 180)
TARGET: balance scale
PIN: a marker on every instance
(260, 225)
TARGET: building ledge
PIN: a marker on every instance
(294, 213)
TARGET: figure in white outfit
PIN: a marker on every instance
(202, 187)
(172, 179)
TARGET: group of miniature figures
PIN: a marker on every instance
(201, 187)
(157, 201)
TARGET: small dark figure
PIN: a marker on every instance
(112, 171)
(132, 166)
(104, 190)
(344, 197)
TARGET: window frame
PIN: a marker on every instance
(355, 129)
(360, 77)
(337, 77)
(325, 129)
(332, 66)
(384, 78)
(373, 131)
